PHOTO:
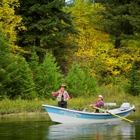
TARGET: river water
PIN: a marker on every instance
(40, 127)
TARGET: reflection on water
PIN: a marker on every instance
(116, 131)
(39, 127)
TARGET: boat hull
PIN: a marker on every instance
(62, 115)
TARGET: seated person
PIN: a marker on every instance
(99, 104)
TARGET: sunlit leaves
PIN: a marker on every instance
(95, 48)
(8, 20)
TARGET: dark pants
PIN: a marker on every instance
(62, 104)
(97, 111)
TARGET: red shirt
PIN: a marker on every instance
(99, 103)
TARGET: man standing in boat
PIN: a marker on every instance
(99, 104)
(62, 96)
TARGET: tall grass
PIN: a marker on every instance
(19, 106)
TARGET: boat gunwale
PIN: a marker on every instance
(92, 113)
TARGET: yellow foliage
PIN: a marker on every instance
(16, 49)
(94, 47)
(8, 20)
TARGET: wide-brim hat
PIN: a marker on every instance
(63, 85)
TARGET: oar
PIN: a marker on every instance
(113, 114)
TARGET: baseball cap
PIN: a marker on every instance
(100, 96)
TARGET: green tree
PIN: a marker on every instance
(47, 26)
(21, 81)
(15, 75)
(80, 81)
(35, 68)
(90, 83)
(134, 79)
(121, 19)
(34, 62)
(4, 62)
(75, 81)
(47, 76)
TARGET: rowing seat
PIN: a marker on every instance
(109, 104)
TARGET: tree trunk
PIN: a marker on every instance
(37, 42)
(117, 43)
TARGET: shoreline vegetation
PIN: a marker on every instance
(39, 53)
(22, 107)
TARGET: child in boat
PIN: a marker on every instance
(99, 104)
(62, 96)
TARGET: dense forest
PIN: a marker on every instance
(85, 44)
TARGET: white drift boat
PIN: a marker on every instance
(63, 115)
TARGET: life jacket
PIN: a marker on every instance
(61, 96)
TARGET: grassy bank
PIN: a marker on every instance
(25, 106)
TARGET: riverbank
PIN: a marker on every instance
(35, 106)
